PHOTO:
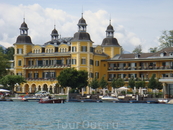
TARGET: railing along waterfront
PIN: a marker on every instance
(45, 66)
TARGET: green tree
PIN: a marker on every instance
(113, 83)
(119, 82)
(159, 85)
(139, 84)
(82, 79)
(68, 78)
(4, 65)
(94, 84)
(132, 82)
(103, 83)
(152, 82)
(1, 49)
(138, 50)
(9, 81)
(9, 53)
(153, 50)
(166, 39)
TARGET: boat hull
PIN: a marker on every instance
(52, 101)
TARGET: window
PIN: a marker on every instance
(97, 63)
(36, 75)
(97, 74)
(91, 49)
(29, 75)
(91, 75)
(91, 62)
(83, 60)
(19, 51)
(52, 75)
(73, 61)
(19, 74)
(84, 48)
(19, 62)
(73, 49)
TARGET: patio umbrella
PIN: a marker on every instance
(4, 90)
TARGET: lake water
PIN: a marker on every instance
(85, 116)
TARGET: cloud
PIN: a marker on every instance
(41, 22)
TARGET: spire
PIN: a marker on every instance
(110, 20)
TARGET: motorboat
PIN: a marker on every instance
(32, 99)
(171, 101)
(109, 99)
(47, 100)
(18, 99)
(164, 101)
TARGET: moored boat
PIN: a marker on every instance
(18, 99)
(52, 100)
(109, 99)
(171, 101)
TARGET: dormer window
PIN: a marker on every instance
(163, 54)
(137, 56)
(171, 54)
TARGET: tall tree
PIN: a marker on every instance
(9, 53)
(153, 50)
(94, 83)
(152, 82)
(82, 78)
(132, 82)
(4, 65)
(9, 81)
(166, 39)
(1, 49)
(103, 83)
(139, 84)
(159, 85)
(113, 83)
(119, 82)
(138, 49)
(68, 78)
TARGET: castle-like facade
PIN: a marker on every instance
(41, 64)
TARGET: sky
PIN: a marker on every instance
(135, 22)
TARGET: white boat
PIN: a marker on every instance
(163, 101)
(109, 99)
(33, 99)
(18, 99)
(171, 101)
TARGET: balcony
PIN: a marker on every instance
(127, 79)
(40, 79)
(46, 66)
(138, 68)
(166, 79)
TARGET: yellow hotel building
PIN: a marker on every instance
(41, 64)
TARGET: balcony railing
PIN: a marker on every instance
(40, 79)
(136, 79)
(141, 68)
(45, 66)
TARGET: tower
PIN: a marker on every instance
(81, 48)
(110, 44)
(22, 46)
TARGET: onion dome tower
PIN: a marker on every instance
(82, 35)
(110, 40)
(81, 48)
(22, 47)
(23, 37)
(110, 44)
(54, 34)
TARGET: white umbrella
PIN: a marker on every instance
(4, 90)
